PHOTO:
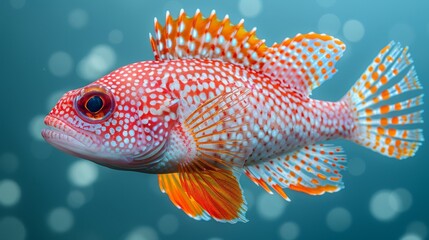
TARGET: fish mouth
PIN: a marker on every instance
(69, 139)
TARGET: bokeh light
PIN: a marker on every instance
(60, 220)
(115, 36)
(326, 3)
(17, 4)
(35, 127)
(76, 199)
(418, 228)
(250, 8)
(142, 233)
(83, 173)
(411, 236)
(353, 30)
(98, 62)
(356, 166)
(270, 207)
(384, 205)
(10, 192)
(405, 199)
(60, 64)
(329, 24)
(339, 219)
(289, 231)
(402, 33)
(78, 18)
(9, 162)
(168, 224)
(11, 228)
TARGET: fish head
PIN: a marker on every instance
(122, 124)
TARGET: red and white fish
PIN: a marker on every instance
(217, 102)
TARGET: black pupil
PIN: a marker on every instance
(94, 104)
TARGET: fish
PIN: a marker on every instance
(217, 103)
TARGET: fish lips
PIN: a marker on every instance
(69, 139)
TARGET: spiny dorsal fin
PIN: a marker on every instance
(208, 38)
(303, 62)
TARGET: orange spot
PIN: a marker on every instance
(377, 60)
(390, 150)
(382, 67)
(384, 49)
(314, 181)
(335, 179)
(297, 168)
(391, 132)
(313, 191)
(380, 130)
(383, 79)
(368, 111)
(395, 120)
(385, 95)
(388, 140)
(395, 71)
(398, 106)
(384, 121)
(321, 176)
(384, 109)
(374, 76)
(398, 88)
(374, 89)
(367, 85)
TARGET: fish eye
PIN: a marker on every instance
(95, 103)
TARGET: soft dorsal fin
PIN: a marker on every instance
(303, 62)
(209, 38)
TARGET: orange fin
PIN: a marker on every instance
(313, 169)
(209, 38)
(172, 186)
(305, 61)
(384, 124)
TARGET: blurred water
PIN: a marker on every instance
(48, 47)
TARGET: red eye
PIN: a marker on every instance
(95, 103)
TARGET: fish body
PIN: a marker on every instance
(217, 102)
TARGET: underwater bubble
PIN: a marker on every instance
(115, 36)
(35, 127)
(142, 233)
(8, 162)
(98, 62)
(402, 33)
(411, 236)
(250, 8)
(353, 30)
(10, 193)
(418, 228)
(356, 166)
(339, 219)
(384, 205)
(269, 206)
(60, 64)
(53, 99)
(11, 228)
(17, 4)
(289, 231)
(168, 224)
(83, 173)
(78, 18)
(76, 199)
(326, 3)
(405, 199)
(60, 220)
(329, 24)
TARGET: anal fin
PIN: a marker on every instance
(312, 169)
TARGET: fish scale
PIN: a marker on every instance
(217, 102)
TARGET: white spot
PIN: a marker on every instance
(353, 30)
(329, 24)
(270, 207)
(10, 193)
(78, 18)
(8, 162)
(11, 228)
(115, 36)
(250, 8)
(17, 4)
(83, 173)
(326, 3)
(289, 231)
(384, 205)
(76, 199)
(60, 64)
(60, 220)
(356, 166)
(98, 62)
(168, 224)
(403, 33)
(339, 219)
(35, 127)
(142, 233)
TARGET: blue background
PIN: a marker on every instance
(119, 202)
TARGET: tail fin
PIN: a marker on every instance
(384, 114)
